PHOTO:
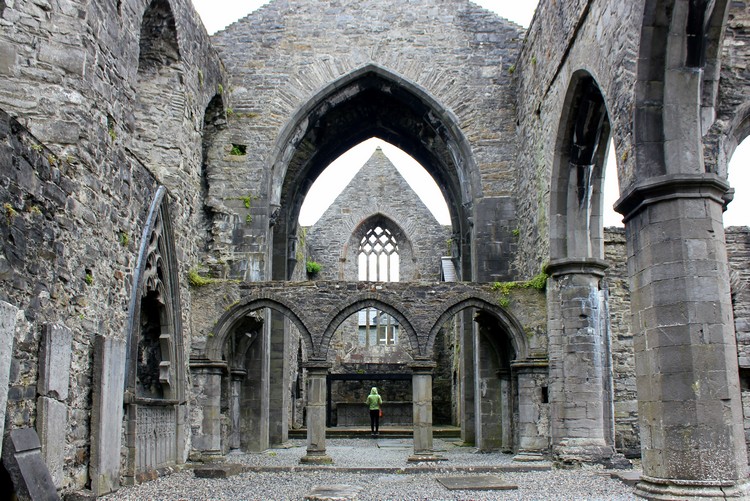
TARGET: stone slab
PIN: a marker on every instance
(106, 414)
(477, 483)
(630, 477)
(22, 458)
(218, 470)
(52, 421)
(8, 315)
(335, 492)
(54, 361)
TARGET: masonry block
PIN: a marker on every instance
(7, 328)
(52, 420)
(22, 459)
(107, 414)
(54, 361)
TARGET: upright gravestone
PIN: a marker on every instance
(23, 461)
(7, 329)
(106, 414)
(54, 377)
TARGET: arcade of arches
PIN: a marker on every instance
(155, 305)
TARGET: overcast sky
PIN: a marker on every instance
(217, 14)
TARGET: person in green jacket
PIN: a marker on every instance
(374, 402)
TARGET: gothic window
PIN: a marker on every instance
(377, 328)
(378, 256)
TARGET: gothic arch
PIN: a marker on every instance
(679, 56)
(406, 249)
(368, 300)
(576, 200)
(369, 102)
(155, 364)
(225, 324)
(512, 326)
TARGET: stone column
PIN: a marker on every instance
(578, 392)
(422, 402)
(533, 409)
(207, 390)
(689, 404)
(316, 412)
(278, 404)
(7, 336)
(235, 391)
(468, 375)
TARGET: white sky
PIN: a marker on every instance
(217, 14)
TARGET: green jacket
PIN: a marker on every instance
(373, 400)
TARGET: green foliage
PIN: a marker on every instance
(200, 77)
(533, 60)
(124, 239)
(10, 212)
(249, 218)
(511, 69)
(238, 150)
(539, 282)
(220, 89)
(247, 201)
(230, 112)
(312, 267)
(35, 210)
(516, 232)
(36, 147)
(112, 133)
(89, 278)
(196, 280)
(449, 247)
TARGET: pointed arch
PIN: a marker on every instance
(576, 199)
(225, 324)
(369, 102)
(368, 300)
(507, 321)
(158, 44)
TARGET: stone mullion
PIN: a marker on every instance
(689, 403)
(422, 413)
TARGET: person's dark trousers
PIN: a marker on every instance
(374, 420)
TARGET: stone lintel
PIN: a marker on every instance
(577, 266)
(530, 365)
(422, 366)
(317, 366)
(671, 187)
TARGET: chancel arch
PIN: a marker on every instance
(370, 102)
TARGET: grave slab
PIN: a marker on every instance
(7, 330)
(631, 477)
(335, 492)
(22, 458)
(476, 483)
(52, 422)
(218, 470)
(54, 361)
(106, 414)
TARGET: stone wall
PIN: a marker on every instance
(75, 190)
(600, 38)
(282, 57)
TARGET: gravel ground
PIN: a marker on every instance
(587, 483)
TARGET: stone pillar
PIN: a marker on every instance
(278, 405)
(489, 424)
(207, 390)
(578, 392)
(689, 404)
(467, 371)
(8, 315)
(316, 412)
(106, 414)
(254, 398)
(422, 401)
(52, 408)
(235, 390)
(533, 409)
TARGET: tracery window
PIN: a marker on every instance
(378, 256)
(377, 328)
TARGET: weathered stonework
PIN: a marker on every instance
(106, 108)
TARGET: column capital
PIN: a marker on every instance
(576, 266)
(316, 366)
(208, 366)
(669, 187)
(422, 366)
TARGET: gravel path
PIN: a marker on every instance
(587, 483)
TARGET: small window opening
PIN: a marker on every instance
(545, 395)
(238, 150)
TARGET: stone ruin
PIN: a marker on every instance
(155, 307)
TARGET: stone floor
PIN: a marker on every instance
(378, 469)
